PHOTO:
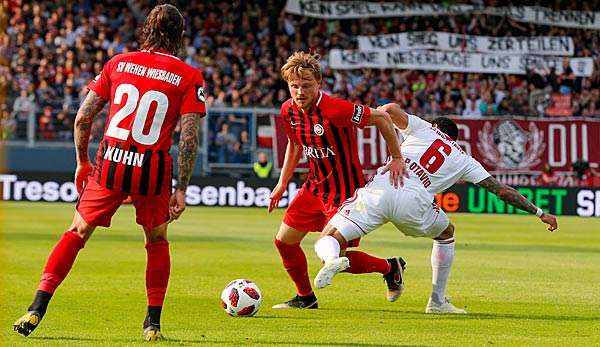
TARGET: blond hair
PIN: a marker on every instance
(298, 63)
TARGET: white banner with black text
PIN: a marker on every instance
(419, 40)
(366, 9)
(453, 61)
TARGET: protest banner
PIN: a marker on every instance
(420, 40)
(453, 61)
(366, 9)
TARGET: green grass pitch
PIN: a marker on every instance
(520, 284)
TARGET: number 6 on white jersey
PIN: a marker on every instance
(137, 130)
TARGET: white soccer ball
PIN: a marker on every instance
(241, 298)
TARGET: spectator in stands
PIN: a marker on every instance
(487, 105)
(548, 176)
(432, 107)
(46, 124)
(472, 105)
(7, 123)
(263, 167)
(225, 142)
(243, 149)
(63, 126)
(585, 173)
(567, 78)
(23, 108)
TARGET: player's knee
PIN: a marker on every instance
(156, 234)
(279, 243)
(82, 229)
(288, 235)
(446, 234)
(340, 238)
(156, 238)
(329, 230)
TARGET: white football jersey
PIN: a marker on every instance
(434, 161)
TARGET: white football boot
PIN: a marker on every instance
(444, 308)
(329, 270)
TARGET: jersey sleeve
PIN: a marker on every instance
(194, 99)
(285, 120)
(101, 83)
(474, 171)
(345, 113)
(415, 124)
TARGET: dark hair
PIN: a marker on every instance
(447, 126)
(163, 29)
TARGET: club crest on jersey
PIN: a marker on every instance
(200, 94)
(357, 115)
(318, 128)
(507, 146)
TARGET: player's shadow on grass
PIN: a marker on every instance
(62, 338)
(475, 315)
(282, 317)
(129, 237)
(553, 249)
(527, 317)
(248, 340)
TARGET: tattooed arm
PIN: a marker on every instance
(188, 151)
(508, 194)
(90, 107)
(188, 148)
(516, 199)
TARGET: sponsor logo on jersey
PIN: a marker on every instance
(200, 94)
(318, 152)
(318, 128)
(508, 146)
(357, 115)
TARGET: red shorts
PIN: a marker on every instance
(308, 213)
(98, 204)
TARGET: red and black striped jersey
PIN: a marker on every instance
(328, 138)
(148, 92)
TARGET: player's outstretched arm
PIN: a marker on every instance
(186, 159)
(383, 121)
(88, 110)
(399, 117)
(513, 197)
(293, 153)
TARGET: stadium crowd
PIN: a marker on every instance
(54, 49)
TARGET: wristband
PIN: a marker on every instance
(539, 212)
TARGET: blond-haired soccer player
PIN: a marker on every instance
(323, 128)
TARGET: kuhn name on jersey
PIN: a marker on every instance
(152, 73)
(122, 156)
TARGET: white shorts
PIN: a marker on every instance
(412, 211)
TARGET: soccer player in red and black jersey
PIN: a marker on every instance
(323, 128)
(149, 92)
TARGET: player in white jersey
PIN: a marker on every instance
(435, 162)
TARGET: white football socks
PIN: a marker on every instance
(442, 256)
(327, 248)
